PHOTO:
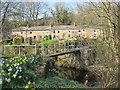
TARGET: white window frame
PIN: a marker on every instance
(79, 31)
(58, 31)
(22, 32)
(91, 36)
(95, 35)
(54, 36)
(31, 32)
(83, 30)
(69, 31)
(95, 31)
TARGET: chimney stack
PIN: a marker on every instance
(28, 25)
(51, 25)
(75, 24)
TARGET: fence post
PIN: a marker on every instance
(54, 48)
(19, 49)
(68, 45)
(4, 49)
(35, 49)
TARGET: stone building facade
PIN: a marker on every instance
(56, 32)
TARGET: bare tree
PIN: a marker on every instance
(33, 10)
(110, 27)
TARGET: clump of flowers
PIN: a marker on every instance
(18, 72)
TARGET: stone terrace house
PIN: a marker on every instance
(56, 32)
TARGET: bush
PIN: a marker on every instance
(30, 41)
(19, 72)
(17, 41)
(23, 40)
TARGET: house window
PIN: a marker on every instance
(90, 36)
(54, 31)
(94, 35)
(83, 30)
(84, 36)
(59, 31)
(44, 36)
(69, 35)
(94, 30)
(79, 35)
(34, 37)
(45, 32)
(59, 37)
(54, 36)
(79, 31)
(69, 31)
(30, 32)
(21, 32)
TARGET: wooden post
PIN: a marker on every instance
(54, 48)
(55, 57)
(78, 57)
(4, 49)
(35, 49)
(64, 46)
(68, 45)
(19, 49)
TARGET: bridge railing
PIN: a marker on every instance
(20, 49)
(57, 47)
(43, 49)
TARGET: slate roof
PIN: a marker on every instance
(45, 28)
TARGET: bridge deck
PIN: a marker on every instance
(66, 52)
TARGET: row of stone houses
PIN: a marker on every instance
(56, 32)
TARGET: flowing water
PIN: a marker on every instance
(81, 75)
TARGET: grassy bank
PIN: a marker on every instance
(57, 82)
(20, 72)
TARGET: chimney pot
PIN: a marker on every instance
(51, 25)
(75, 24)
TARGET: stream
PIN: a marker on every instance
(81, 75)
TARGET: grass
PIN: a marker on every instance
(46, 42)
(28, 64)
(10, 55)
(57, 82)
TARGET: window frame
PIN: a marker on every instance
(30, 32)
(69, 31)
(54, 31)
(83, 30)
(95, 30)
(58, 31)
(54, 36)
(79, 31)
(95, 35)
(22, 32)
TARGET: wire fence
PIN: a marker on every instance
(19, 49)
(44, 48)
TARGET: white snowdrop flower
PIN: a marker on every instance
(10, 69)
(17, 70)
(18, 64)
(20, 68)
(3, 62)
(5, 78)
(15, 65)
(14, 75)
(0, 64)
(0, 81)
